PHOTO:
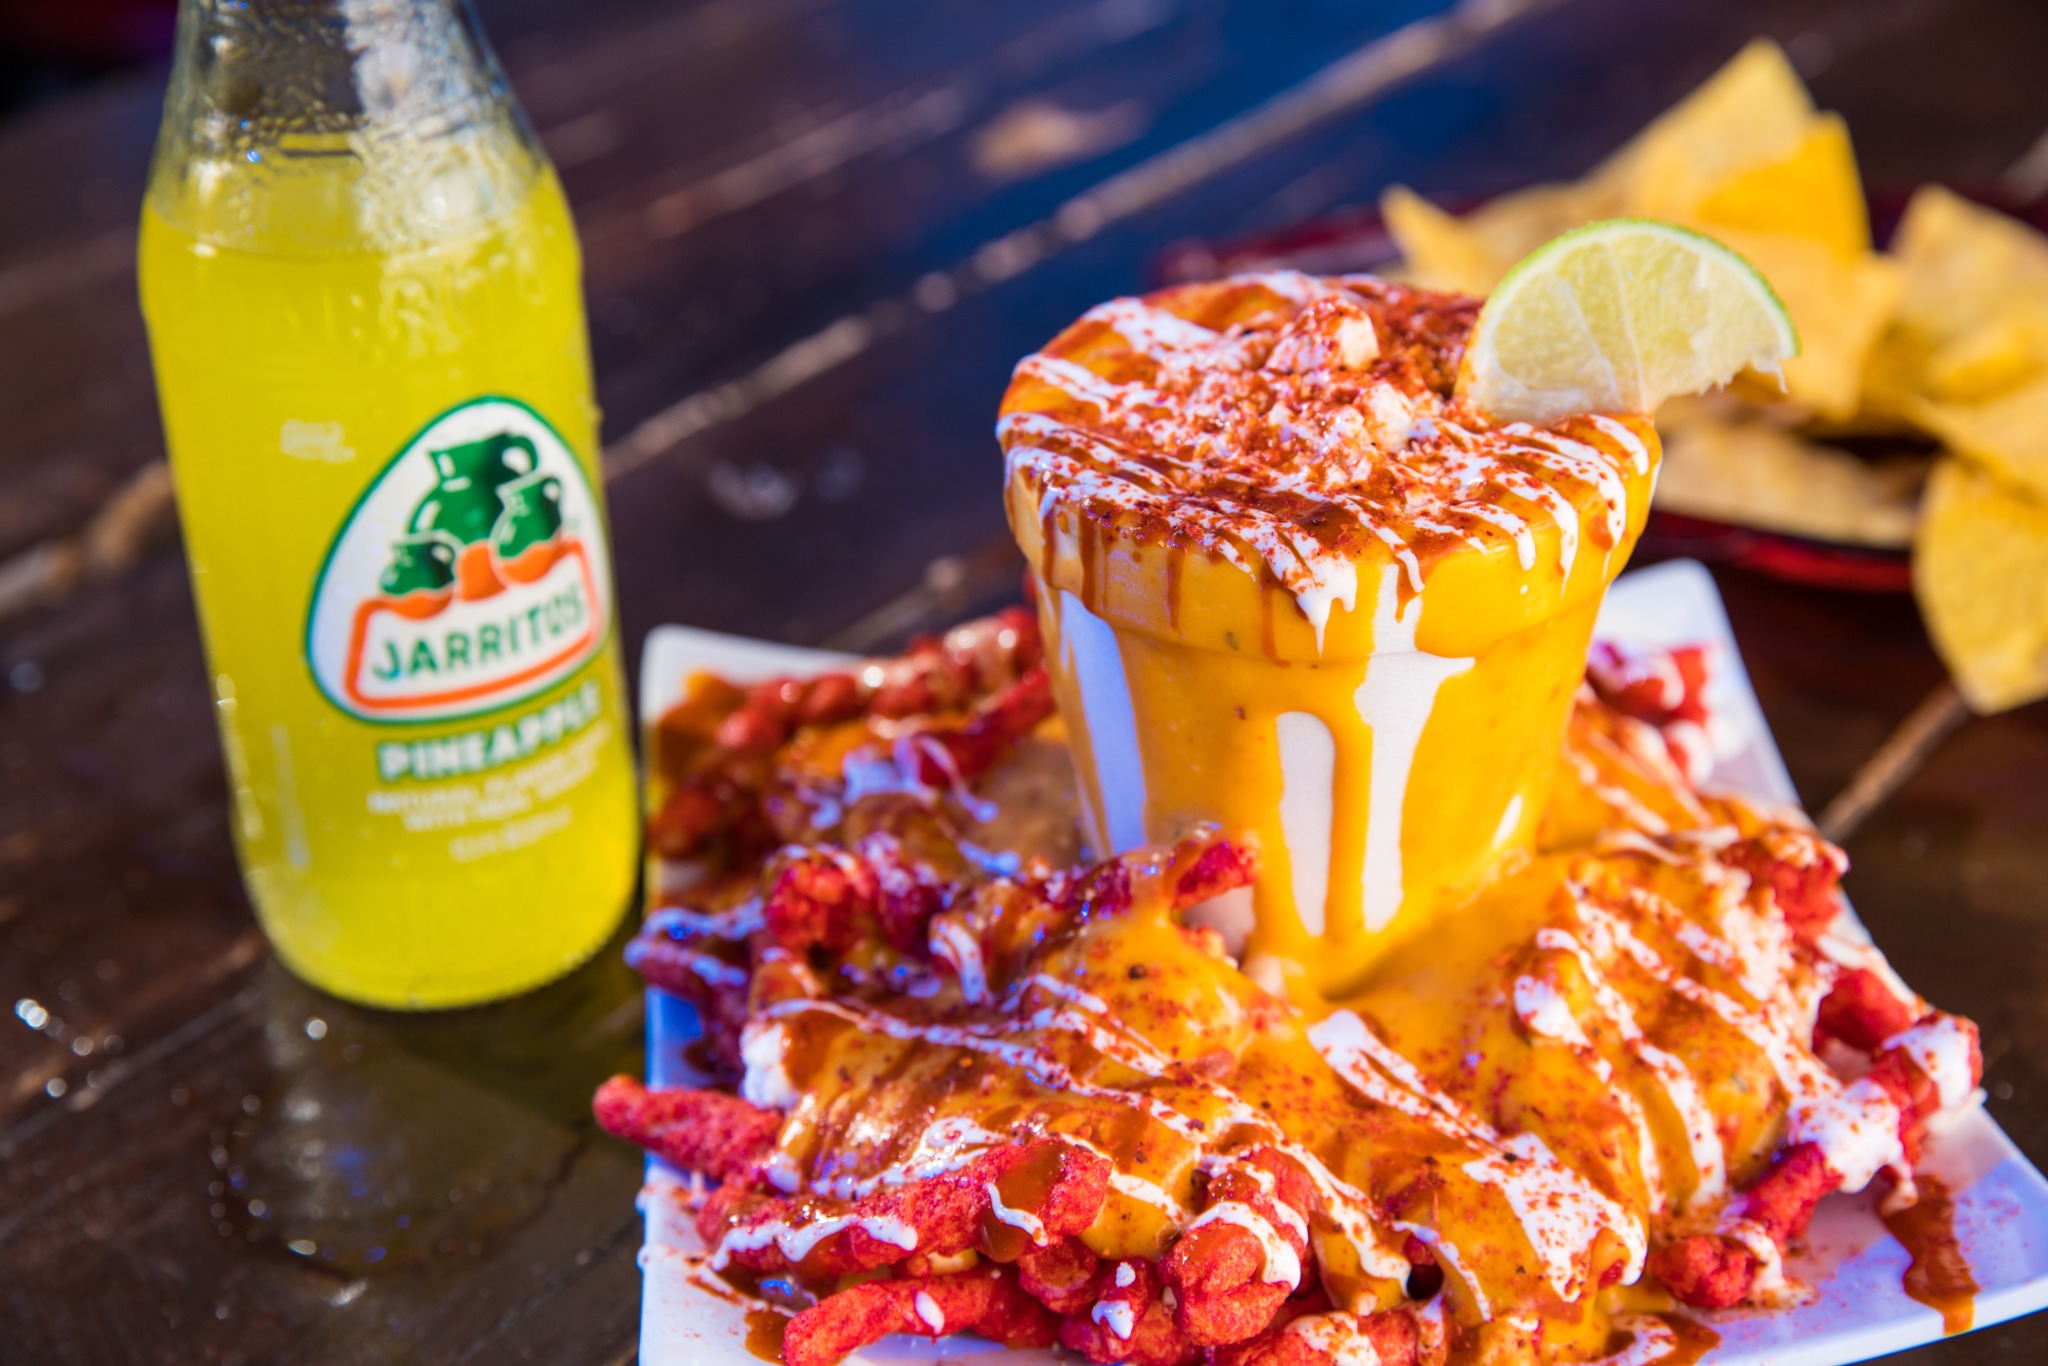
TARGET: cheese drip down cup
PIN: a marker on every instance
(1289, 585)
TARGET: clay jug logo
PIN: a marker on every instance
(472, 573)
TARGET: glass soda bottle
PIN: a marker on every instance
(363, 293)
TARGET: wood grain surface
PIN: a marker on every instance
(818, 233)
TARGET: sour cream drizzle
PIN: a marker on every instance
(1167, 444)
(1651, 1340)
(1135, 1187)
(1940, 1048)
(1337, 1337)
(1024, 1221)
(1559, 1210)
(1283, 1263)
(796, 1241)
(1797, 1071)
(945, 1145)
(1348, 1207)
(1703, 1140)
(1855, 1127)
(1560, 1213)
(1116, 1316)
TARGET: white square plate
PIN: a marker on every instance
(1860, 1310)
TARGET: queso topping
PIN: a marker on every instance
(1295, 426)
(973, 1084)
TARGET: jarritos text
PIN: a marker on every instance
(471, 575)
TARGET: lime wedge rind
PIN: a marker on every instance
(1618, 316)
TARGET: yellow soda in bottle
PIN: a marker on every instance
(363, 293)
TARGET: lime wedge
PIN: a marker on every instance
(1616, 317)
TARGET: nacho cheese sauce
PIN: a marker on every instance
(1291, 586)
(1494, 1131)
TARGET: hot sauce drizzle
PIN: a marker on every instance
(1939, 1277)
(764, 1333)
(1695, 1339)
(1297, 427)
(1659, 1340)
(1105, 1025)
(1091, 550)
(939, 1041)
(1266, 634)
(1176, 558)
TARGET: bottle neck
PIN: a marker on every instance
(316, 126)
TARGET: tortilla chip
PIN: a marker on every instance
(1813, 191)
(1752, 111)
(1839, 306)
(1980, 572)
(1437, 250)
(2007, 434)
(1757, 474)
(1971, 327)
(2007, 351)
(1513, 225)
(1471, 254)
(1964, 265)
(1892, 376)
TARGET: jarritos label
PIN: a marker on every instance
(471, 575)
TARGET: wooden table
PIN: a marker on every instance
(817, 235)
